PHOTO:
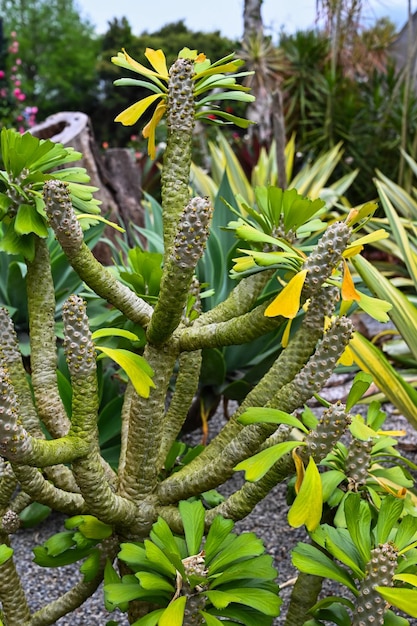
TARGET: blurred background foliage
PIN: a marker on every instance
(338, 82)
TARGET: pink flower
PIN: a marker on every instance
(105, 145)
(3, 93)
(2, 74)
(18, 61)
(13, 34)
(21, 97)
(16, 92)
(17, 83)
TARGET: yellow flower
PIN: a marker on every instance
(287, 302)
(207, 77)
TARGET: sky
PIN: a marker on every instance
(225, 15)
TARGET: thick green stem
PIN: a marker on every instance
(141, 469)
(179, 267)
(240, 300)
(235, 331)
(185, 388)
(41, 490)
(231, 440)
(177, 157)
(43, 358)
(73, 598)
(303, 598)
(59, 209)
(12, 597)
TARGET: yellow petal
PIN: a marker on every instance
(352, 251)
(158, 61)
(287, 302)
(377, 235)
(299, 469)
(348, 288)
(130, 116)
(141, 69)
(347, 357)
(286, 334)
(150, 128)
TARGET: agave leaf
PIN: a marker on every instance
(370, 359)
(398, 231)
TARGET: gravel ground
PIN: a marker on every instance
(268, 521)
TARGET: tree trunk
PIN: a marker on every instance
(115, 173)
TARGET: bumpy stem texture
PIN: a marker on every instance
(67, 230)
(43, 359)
(177, 158)
(179, 267)
(12, 597)
(370, 606)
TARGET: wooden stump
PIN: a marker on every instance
(115, 173)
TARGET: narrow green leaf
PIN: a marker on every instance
(114, 332)
(254, 415)
(360, 430)
(192, 515)
(220, 529)
(410, 579)
(91, 566)
(155, 555)
(120, 593)
(174, 613)
(150, 580)
(211, 620)
(260, 599)
(360, 385)
(406, 532)
(403, 599)
(403, 313)
(162, 536)
(91, 527)
(135, 367)
(340, 545)
(243, 546)
(257, 466)
(258, 567)
(310, 560)
(151, 619)
(388, 516)
(5, 553)
(330, 480)
(358, 521)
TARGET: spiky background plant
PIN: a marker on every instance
(51, 455)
